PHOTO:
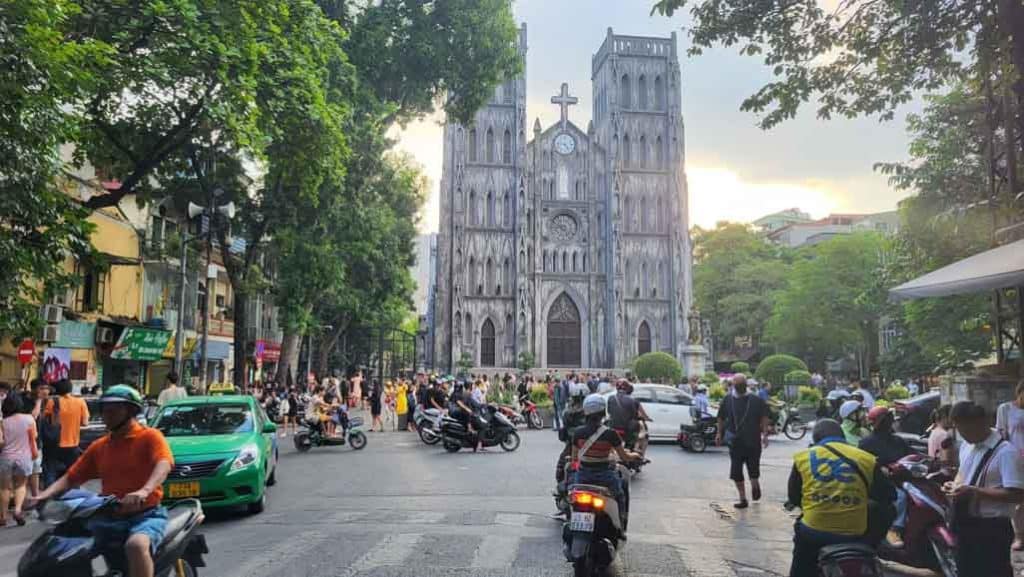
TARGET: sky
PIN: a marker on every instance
(736, 171)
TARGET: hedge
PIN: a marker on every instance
(798, 378)
(658, 367)
(716, 392)
(539, 395)
(809, 397)
(774, 368)
(895, 392)
(710, 378)
(740, 367)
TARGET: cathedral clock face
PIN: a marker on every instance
(565, 143)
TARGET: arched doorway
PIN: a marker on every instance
(643, 339)
(487, 344)
(564, 348)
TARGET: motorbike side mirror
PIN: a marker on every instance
(269, 427)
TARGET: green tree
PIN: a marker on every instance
(40, 224)
(736, 276)
(832, 304)
(774, 368)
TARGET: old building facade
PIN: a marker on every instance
(568, 244)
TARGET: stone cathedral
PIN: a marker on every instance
(568, 243)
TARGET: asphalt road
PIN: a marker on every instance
(401, 509)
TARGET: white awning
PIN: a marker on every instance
(993, 269)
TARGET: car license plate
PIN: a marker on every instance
(182, 490)
(582, 522)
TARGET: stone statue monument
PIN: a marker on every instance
(694, 353)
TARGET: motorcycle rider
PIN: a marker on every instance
(437, 396)
(592, 447)
(700, 401)
(844, 496)
(626, 414)
(887, 449)
(851, 413)
(572, 418)
(132, 461)
(464, 408)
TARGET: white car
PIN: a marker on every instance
(668, 407)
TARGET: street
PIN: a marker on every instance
(400, 508)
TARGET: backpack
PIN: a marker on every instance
(49, 427)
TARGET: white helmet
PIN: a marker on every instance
(848, 408)
(594, 404)
(578, 390)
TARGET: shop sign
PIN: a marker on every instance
(140, 344)
(75, 335)
(188, 346)
(271, 351)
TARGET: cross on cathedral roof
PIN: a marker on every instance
(564, 101)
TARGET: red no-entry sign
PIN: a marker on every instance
(26, 351)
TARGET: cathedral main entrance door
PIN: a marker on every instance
(564, 348)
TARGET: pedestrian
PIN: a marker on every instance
(390, 418)
(64, 417)
(987, 489)
(912, 388)
(1010, 424)
(19, 450)
(559, 398)
(171, 390)
(401, 406)
(357, 390)
(743, 424)
(375, 407)
(942, 441)
(33, 401)
(410, 404)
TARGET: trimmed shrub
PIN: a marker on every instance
(896, 392)
(883, 403)
(809, 397)
(658, 367)
(539, 395)
(798, 378)
(740, 367)
(716, 392)
(710, 378)
(774, 368)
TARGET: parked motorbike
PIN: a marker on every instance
(492, 429)
(428, 424)
(529, 412)
(590, 538)
(69, 550)
(315, 436)
(928, 540)
(697, 436)
(788, 420)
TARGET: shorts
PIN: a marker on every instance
(37, 464)
(16, 467)
(112, 532)
(739, 456)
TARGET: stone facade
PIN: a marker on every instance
(572, 246)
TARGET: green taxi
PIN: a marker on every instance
(225, 451)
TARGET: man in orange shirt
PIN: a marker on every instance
(72, 415)
(132, 461)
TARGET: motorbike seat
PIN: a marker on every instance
(846, 551)
(179, 517)
(599, 489)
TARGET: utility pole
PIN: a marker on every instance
(180, 329)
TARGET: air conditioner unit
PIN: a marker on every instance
(64, 299)
(104, 335)
(51, 334)
(52, 314)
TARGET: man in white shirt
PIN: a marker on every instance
(869, 399)
(172, 391)
(988, 487)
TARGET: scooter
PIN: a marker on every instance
(529, 412)
(428, 424)
(789, 422)
(928, 540)
(69, 550)
(492, 429)
(853, 559)
(315, 436)
(591, 536)
(697, 436)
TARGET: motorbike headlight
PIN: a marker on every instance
(247, 456)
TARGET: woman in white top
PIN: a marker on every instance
(1010, 424)
(16, 456)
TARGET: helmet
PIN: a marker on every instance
(594, 405)
(624, 386)
(702, 389)
(848, 408)
(578, 390)
(876, 414)
(122, 394)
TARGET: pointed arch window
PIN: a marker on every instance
(474, 281)
(627, 214)
(545, 256)
(642, 152)
(627, 152)
(472, 208)
(643, 214)
(490, 146)
(522, 262)
(457, 325)
(490, 208)
(645, 279)
(643, 339)
(506, 147)
(473, 145)
(666, 335)
(565, 262)
(625, 94)
(506, 276)
(659, 154)
(510, 341)
(469, 327)
(659, 93)
(506, 210)
(508, 92)
(584, 262)
(658, 216)
(641, 92)
(628, 277)
(575, 261)
(489, 272)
